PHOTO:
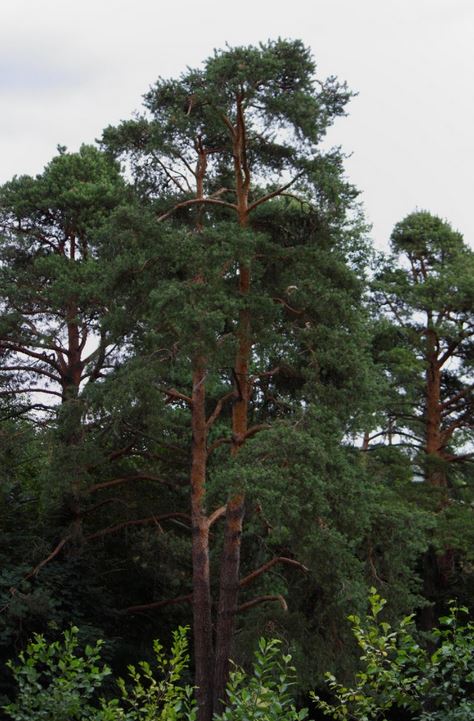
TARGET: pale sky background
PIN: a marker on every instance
(68, 68)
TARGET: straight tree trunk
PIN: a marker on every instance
(202, 620)
(435, 475)
(229, 589)
(230, 560)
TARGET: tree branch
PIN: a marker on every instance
(273, 194)
(218, 409)
(263, 599)
(43, 357)
(256, 429)
(456, 398)
(138, 522)
(216, 515)
(32, 369)
(127, 479)
(196, 201)
(266, 567)
(52, 555)
(14, 391)
(173, 394)
(217, 443)
(159, 604)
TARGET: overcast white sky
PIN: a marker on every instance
(68, 68)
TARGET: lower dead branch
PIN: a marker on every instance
(218, 409)
(256, 429)
(129, 479)
(139, 522)
(216, 515)
(266, 567)
(263, 599)
(159, 604)
(217, 443)
(53, 554)
(173, 394)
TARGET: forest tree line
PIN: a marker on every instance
(219, 405)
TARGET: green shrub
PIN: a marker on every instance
(55, 683)
(264, 695)
(158, 694)
(398, 672)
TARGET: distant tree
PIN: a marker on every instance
(425, 345)
(51, 338)
(426, 290)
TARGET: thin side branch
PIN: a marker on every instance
(217, 443)
(196, 201)
(256, 429)
(159, 604)
(51, 556)
(266, 567)
(263, 599)
(173, 394)
(138, 522)
(127, 479)
(274, 193)
(218, 409)
(216, 515)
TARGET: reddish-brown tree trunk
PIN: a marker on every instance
(230, 560)
(228, 596)
(202, 621)
(435, 474)
(437, 566)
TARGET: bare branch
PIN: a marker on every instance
(173, 394)
(256, 429)
(52, 555)
(282, 302)
(196, 201)
(266, 567)
(31, 390)
(128, 479)
(217, 443)
(159, 604)
(265, 374)
(451, 401)
(218, 409)
(216, 515)
(138, 522)
(32, 369)
(273, 194)
(263, 599)
(43, 357)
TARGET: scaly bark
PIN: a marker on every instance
(435, 475)
(228, 596)
(202, 620)
(230, 559)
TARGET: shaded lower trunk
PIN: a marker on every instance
(202, 620)
(228, 597)
(435, 471)
(438, 570)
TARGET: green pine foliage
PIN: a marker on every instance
(119, 267)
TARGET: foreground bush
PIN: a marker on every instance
(56, 683)
(397, 672)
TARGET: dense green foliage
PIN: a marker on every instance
(398, 672)
(212, 244)
(58, 683)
